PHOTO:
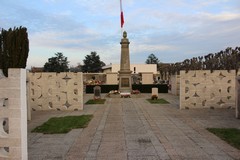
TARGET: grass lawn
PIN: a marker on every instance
(230, 135)
(58, 125)
(96, 101)
(158, 101)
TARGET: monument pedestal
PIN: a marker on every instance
(125, 80)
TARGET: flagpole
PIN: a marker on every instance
(121, 17)
(121, 29)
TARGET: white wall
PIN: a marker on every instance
(56, 91)
(203, 89)
(112, 78)
(13, 112)
(147, 78)
(139, 68)
(175, 84)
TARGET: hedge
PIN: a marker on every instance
(104, 88)
(143, 88)
(147, 88)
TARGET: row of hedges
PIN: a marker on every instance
(147, 88)
(143, 88)
(104, 88)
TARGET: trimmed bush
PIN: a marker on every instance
(143, 88)
(147, 88)
(14, 48)
(104, 88)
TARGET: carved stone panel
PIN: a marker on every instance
(56, 91)
(206, 89)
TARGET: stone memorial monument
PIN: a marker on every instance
(97, 92)
(125, 83)
(154, 93)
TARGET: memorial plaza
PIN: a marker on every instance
(132, 128)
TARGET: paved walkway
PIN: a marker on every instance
(131, 128)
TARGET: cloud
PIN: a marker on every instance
(173, 30)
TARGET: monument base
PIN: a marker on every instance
(125, 82)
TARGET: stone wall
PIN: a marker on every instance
(13, 115)
(55, 91)
(203, 89)
(175, 84)
(147, 78)
(112, 78)
(238, 97)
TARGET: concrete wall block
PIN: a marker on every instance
(9, 112)
(175, 84)
(15, 142)
(6, 81)
(147, 78)
(14, 89)
(155, 91)
(14, 151)
(56, 91)
(9, 93)
(112, 78)
(201, 89)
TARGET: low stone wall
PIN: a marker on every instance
(55, 91)
(238, 97)
(147, 78)
(13, 115)
(112, 78)
(175, 84)
(203, 89)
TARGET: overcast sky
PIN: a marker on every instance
(173, 30)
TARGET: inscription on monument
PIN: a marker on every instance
(125, 82)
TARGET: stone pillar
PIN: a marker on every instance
(125, 83)
(175, 84)
(155, 92)
(13, 115)
(238, 97)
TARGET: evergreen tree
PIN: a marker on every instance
(92, 63)
(14, 48)
(58, 64)
(152, 59)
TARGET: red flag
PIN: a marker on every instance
(121, 16)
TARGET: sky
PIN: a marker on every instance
(173, 30)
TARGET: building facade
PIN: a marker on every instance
(135, 68)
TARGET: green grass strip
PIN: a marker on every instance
(58, 125)
(158, 101)
(96, 101)
(230, 135)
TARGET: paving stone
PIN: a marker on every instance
(114, 118)
(221, 157)
(111, 149)
(135, 129)
(146, 151)
(135, 145)
(113, 136)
